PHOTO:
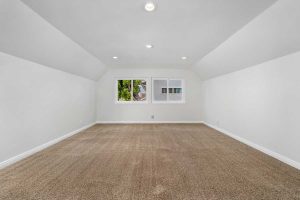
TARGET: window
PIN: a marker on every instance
(131, 90)
(159, 87)
(165, 90)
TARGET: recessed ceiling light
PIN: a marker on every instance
(183, 57)
(149, 46)
(150, 6)
(115, 57)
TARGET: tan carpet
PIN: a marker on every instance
(171, 161)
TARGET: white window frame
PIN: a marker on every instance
(168, 101)
(131, 101)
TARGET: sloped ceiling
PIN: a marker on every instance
(82, 36)
(274, 33)
(23, 33)
(122, 28)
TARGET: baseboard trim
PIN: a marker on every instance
(269, 152)
(273, 154)
(149, 122)
(30, 152)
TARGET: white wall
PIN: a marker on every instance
(109, 111)
(39, 104)
(260, 104)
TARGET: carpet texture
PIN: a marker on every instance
(161, 161)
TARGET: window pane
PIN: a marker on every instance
(159, 90)
(139, 90)
(124, 90)
(175, 90)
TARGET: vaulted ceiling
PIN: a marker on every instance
(23, 33)
(272, 34)
(82, 36)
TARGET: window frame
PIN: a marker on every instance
(131, 101)
(168, 101)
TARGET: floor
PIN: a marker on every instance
(137, 162)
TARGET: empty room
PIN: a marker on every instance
(149, 100)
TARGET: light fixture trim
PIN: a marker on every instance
(150, 6)
(183, 57)
(149, 46)
(115, 57)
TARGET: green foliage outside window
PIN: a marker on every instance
(139, 90)
(132, 90)
(136, 89)
(124, 90)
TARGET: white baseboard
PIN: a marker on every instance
(273, 154)
(30, 152)
(149, 122)
(245, 141)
